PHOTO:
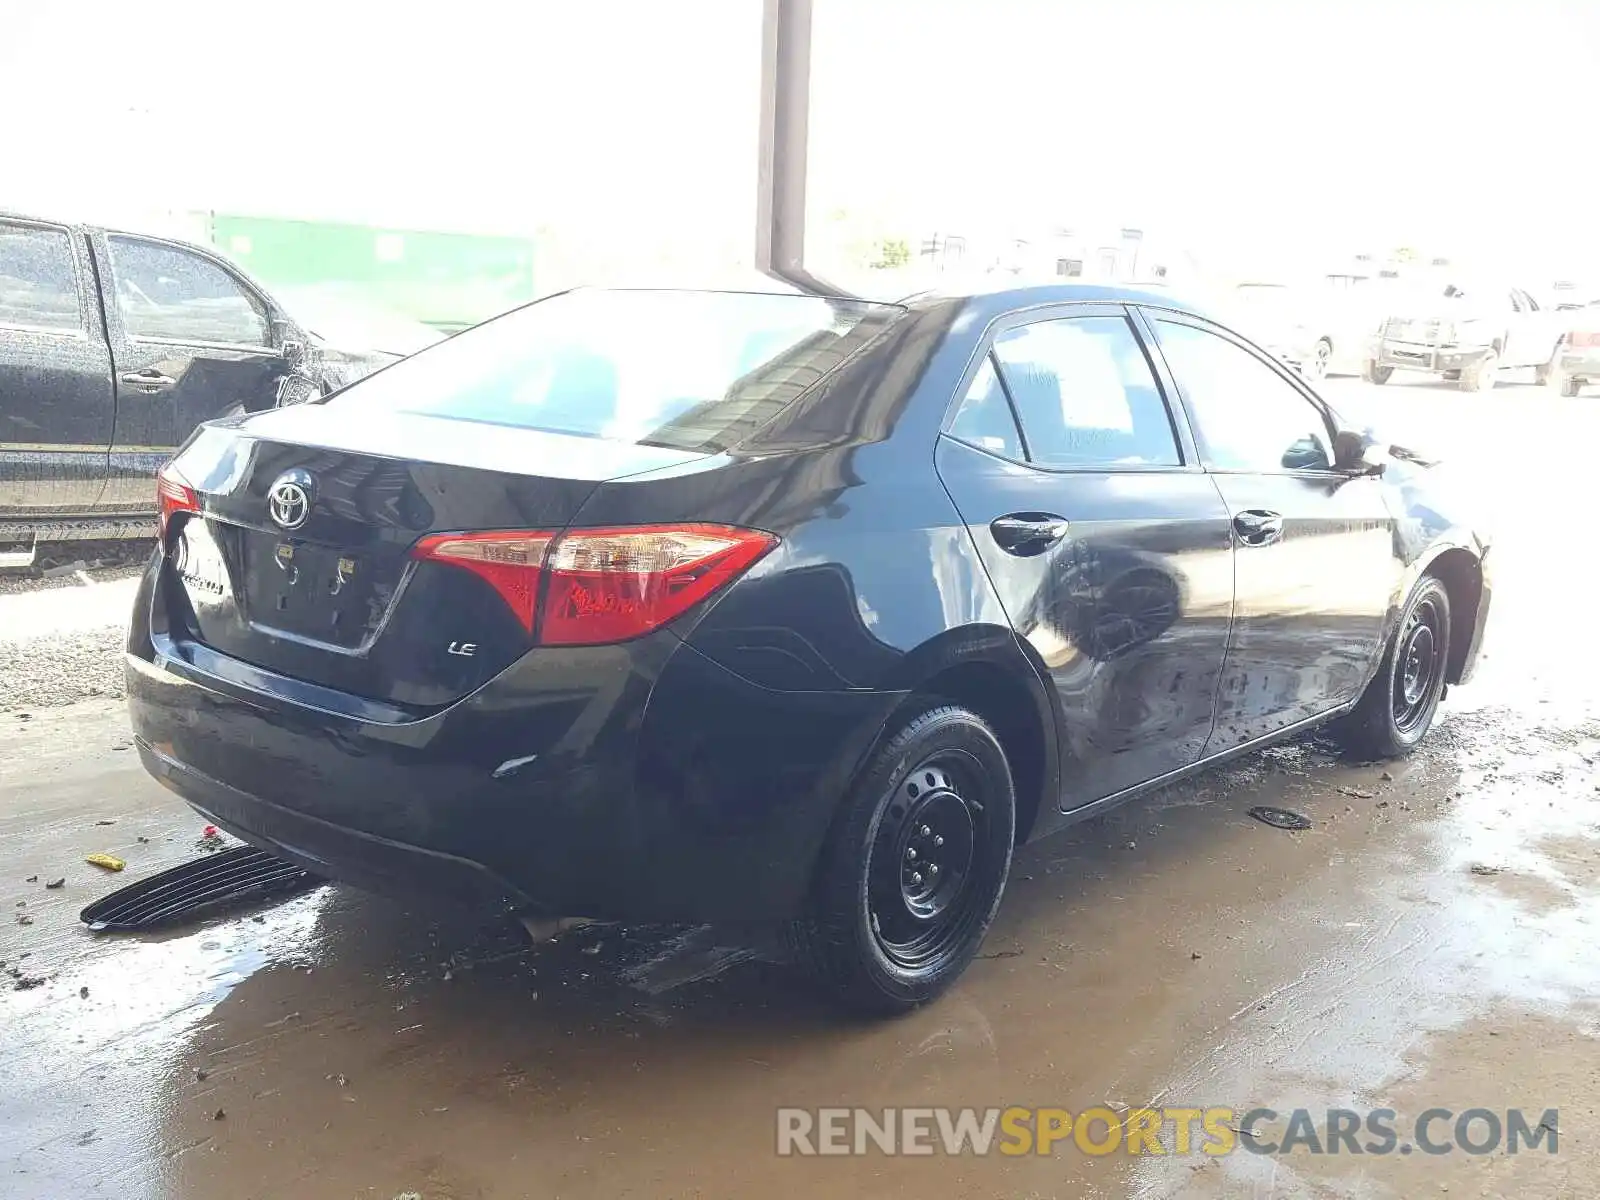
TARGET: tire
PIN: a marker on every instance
(1569, 385)
(1316, 368)
(880, 934)
(1396, 711)
(1481, 375)
(1373, 373)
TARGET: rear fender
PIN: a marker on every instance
(998, 649)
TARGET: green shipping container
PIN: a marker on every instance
(448, 280)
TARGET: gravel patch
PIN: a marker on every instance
(61, 669)
(63, 642)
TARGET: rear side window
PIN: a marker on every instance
(1085, 394)
(686, 370)
(38, 284)
(984, 418)
(173, 294)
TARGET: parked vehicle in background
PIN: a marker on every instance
(113, 348)
(1580, 351)
(695, 606)
(1471, 337)
(1317, 330)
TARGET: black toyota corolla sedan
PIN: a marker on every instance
(780, 609)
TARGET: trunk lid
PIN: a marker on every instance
(299, 560)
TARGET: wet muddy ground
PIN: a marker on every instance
(1429, 942)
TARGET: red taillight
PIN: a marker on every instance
(602, 585)
(1583, 339)
(173, 496)
(608, 585)
(509, 562)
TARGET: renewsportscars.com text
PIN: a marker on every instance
(1212, 1131)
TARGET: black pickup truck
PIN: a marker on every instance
(113, 347)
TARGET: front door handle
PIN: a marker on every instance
(148, 380)
(1258, 527)
(1025, 534)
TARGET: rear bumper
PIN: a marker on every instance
(637, 782)
(1417, 356)
(1581, 364)
(331, 851)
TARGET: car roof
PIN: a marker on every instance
(983, 299)
(995, 300)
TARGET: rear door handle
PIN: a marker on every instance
(148, 380)
(1025, 534)
(1258, 526)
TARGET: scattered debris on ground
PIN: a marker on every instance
(1280, 818)
(109, 861)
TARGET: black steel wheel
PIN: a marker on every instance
(923, 878)
(1419, 662)
(915, 866)
(1398, 707)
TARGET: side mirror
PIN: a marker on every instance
(296, 389)
(1356, 453)
(291, 343)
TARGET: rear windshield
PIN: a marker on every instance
(692, 371)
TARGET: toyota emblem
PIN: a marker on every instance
(289, 499)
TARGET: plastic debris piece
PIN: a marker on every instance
(224, 879)
(109, 861)
(1280, 818)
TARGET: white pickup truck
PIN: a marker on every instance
(1470, 337)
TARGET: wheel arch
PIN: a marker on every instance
(983, 668)
(1461, 572)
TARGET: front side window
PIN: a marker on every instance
(175, 295)
(38, 284)
(1085, 394)
(1248, 417)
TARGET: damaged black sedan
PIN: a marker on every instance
(713, 606)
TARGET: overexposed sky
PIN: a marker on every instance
(1449, 126)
